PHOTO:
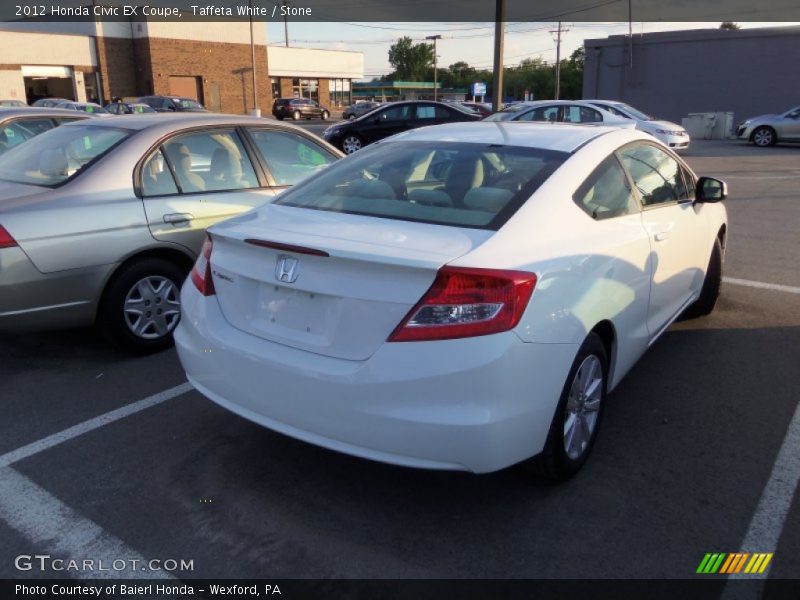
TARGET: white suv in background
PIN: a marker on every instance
(671, 134)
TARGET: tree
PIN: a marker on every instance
(411, 62)
(729, 25)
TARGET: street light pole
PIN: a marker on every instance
(499, 30)
(256, 111)
(435, 64)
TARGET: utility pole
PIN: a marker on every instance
(256, 110)
(435, 67)
(285, 25)
(499, 31)
(558, 33)
(630, 32)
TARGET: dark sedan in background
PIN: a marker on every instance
(172, 104)
(353, 135)
(129, 108)
(299, 108)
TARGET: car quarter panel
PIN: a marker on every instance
(588, 270)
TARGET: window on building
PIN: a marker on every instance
(305, 88)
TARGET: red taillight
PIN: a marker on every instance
(464, 302)
(6, 241)
(201, 273)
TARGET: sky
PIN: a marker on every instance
(470, 42)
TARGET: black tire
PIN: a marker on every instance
(554, 462)
(324, 116)
(764, 136)
(296, 115)
(712, 283)
(116, 323)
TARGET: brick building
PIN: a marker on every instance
(207, 61)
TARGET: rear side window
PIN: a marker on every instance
(207, 161)
(13, 134)
(605, 193)
(581, 114)
(447, 183)
(36, 126)
(656, 175)
(290, 157)
(156, 177)
(543, 113)
(396, 113)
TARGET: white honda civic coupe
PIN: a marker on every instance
(455, 297)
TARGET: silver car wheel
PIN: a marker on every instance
(763, 137)
(350, 144)
(583, 407)
(152, 307)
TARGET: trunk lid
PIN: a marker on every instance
(342, 305)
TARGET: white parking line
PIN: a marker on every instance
(46, 521)
(768, 521)
(761, 285)
(115, 415)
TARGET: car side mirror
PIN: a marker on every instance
(710, 189)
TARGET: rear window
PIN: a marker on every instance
(56, 156)
(447, 183)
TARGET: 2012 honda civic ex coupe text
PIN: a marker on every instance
(455, 297)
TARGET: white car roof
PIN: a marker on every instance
(562, 137)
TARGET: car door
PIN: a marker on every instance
(386, 122)
(195, 179)
(790, 128)
(676, 228)
(288, 157)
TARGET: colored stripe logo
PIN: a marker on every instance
(736, 562)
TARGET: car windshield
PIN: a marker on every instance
(509, 112)
(446, 183)
(187, 103)
(636, 114)
(56, 156)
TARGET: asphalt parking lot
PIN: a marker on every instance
(685, 463)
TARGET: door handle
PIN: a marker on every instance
(660, 236)
(178, 218)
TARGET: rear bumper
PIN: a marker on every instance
(478, 405)
(31, 300)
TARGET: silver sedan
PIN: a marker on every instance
(101, 220)
(768, 130)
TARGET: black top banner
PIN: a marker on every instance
(473, 11)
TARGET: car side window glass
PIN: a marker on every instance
(290, 157)
(656, 175)
(395, 113)
(210, 161)
(156, 179)
(36, 126)
(426, 111)
(547, 114)
(581, 114)
(690, 183)
(606, 193)
(13, 134)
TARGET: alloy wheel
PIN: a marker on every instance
(583, 407)
(763, 137)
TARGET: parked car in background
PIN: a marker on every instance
(455, 297)
(13, 103)
(560, 111)
(172, 104)
(129, 108)
(354, 134)
(18, 125)
(90, 108)
(49, 102)
(299, 108)
(100, 221)
(672, 134)
(768, 130)
(359, 108)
